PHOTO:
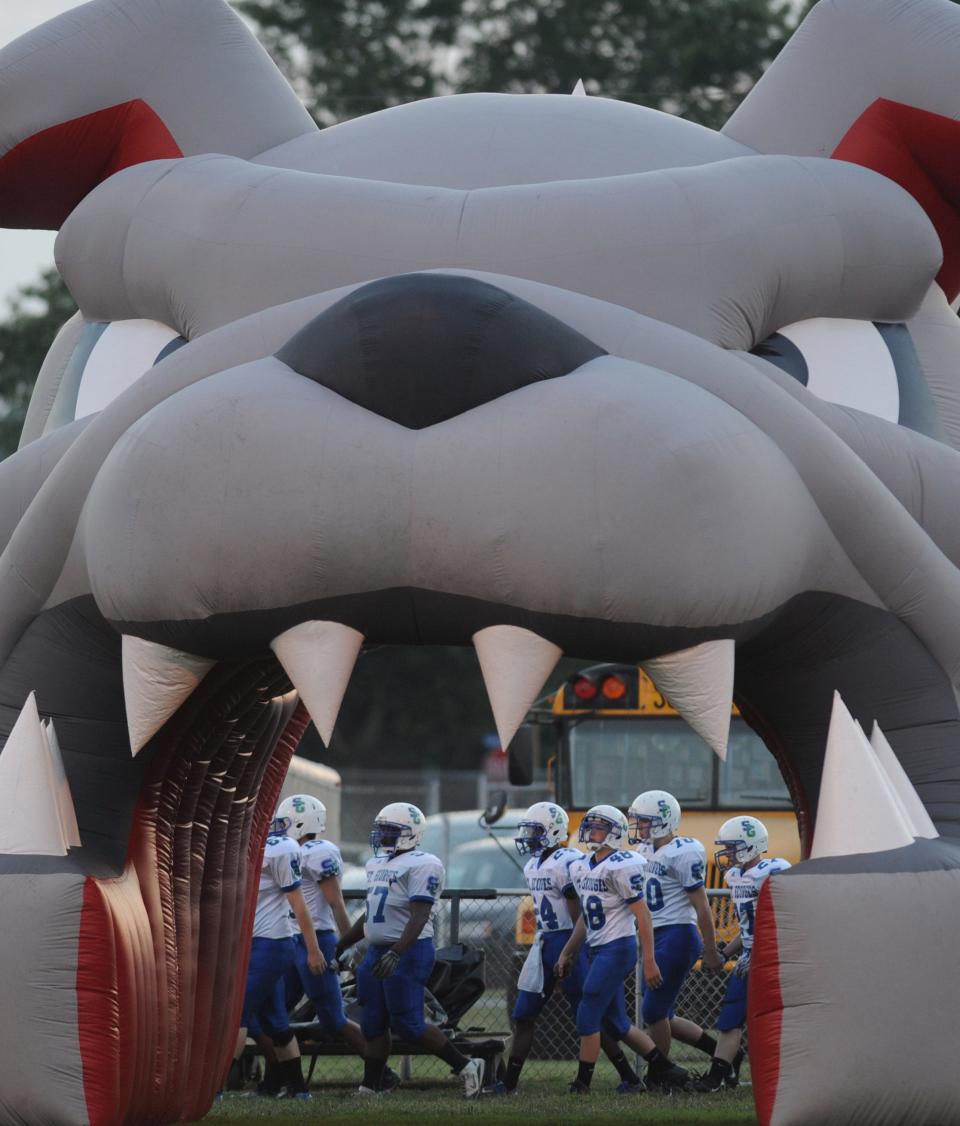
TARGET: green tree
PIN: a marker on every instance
(36, 315)
(415, 706)
(698, 59)
(348, 57)
(695, 58)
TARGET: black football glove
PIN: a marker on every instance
(386, 964)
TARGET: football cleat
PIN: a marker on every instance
(716, 1078)
(578, 1088)
(390, 1082)
(734, 1079)
(670, 1078)
(628, 1088)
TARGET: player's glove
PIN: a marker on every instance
(386, 964)
(742, 968)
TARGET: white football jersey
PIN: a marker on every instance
(319, 860)
(605, 890)
(673, 870)
(547, 880)
(392, 885)
(745, 887)
(279, 874)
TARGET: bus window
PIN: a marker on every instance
(613, 760)
(750, 779)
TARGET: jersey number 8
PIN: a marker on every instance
(593, 910)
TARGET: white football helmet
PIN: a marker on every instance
(544, 826)
(305, 814)
(653, 814)
(398, 827)
(740, 840)
(606, 817)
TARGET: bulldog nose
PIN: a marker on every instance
(422, 348)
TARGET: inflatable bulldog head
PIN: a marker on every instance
(405, 380)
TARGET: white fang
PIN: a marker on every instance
(578, 90)
(35, 805)
(515, 662)
(156, 681)
(858, 810)
(698, 682)
(319, 658)
(68, 815)
(916, 811)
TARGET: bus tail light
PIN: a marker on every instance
(603, 688)
(613, 688)
(584, 688)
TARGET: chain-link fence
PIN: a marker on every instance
(363, 796)
(499, 925)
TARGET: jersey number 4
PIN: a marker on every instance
(548, 917)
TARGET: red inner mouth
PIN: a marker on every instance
(162, 956)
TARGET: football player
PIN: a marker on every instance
(609, 884)
(543, 832)
(321, 867)
(279, 901)
(741, 843)
(403, 884)
(677, 899)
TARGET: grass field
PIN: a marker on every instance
(542, 1101)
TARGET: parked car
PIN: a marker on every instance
(485, 863)
(446, 832)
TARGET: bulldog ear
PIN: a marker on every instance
(43, 178)
(920, 151)
(114, 83)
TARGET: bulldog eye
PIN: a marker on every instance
(868, 365)
(111, 356)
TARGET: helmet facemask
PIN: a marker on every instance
(531, 839)
(594, 823)
(729, 856)
(387, 839)
(645, 830)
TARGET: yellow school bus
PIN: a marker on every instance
(607, 734)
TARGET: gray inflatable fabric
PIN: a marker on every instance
(539, 374)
